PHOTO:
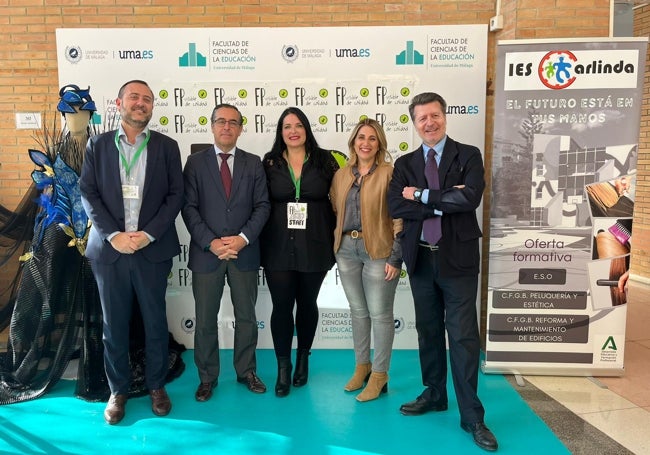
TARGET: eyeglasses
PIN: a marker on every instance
(221, 122)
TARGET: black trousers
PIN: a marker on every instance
(447, 303)
(289, 288)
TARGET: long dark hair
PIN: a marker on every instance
(319, 157)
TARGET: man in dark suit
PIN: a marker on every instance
(132, 190)
(436, 190)
(226, 207)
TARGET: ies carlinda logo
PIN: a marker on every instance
(559, 69)
(555, 69)
(73, 54)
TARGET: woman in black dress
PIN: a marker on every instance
(297, 242)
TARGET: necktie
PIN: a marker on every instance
(432, 228)
(226, 178)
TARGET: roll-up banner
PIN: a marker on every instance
(566, 131)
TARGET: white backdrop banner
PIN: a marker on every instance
(335, 75)
(566, 130)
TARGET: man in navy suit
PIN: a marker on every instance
(132, 190)
(226, 207)
(436, 190)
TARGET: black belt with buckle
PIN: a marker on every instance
(428, 246)
(354, 234)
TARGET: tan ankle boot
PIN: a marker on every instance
(377, 384)
(360, 376)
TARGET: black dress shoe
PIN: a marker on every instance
(160, 402)
(253, 383)
(483, 437)
(421, 405)
(115, 409)
(204, 391)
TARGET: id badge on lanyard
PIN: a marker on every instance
(297, 215)
(130, 192)
(296, 211)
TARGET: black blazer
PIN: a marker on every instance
(460, 164)
(209, 215)
(162, 197)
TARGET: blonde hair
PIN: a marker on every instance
(382, 153)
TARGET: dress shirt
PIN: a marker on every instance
(231, 166)
(136, 177)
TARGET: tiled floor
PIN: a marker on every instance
(617, 406)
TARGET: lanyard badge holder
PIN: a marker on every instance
(130, 191)
(296, 211)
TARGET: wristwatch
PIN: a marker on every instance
(417, 195)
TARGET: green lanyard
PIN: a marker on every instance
(136, 156)
(295, 181)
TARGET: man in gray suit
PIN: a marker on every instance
(226, 207)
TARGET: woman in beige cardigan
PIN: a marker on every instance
(368, 254)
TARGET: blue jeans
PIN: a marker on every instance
(371, 300)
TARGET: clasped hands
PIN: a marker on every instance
(226, 248)
(130, 242)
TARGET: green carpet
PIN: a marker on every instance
(317, 419)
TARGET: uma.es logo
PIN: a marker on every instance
(133, 54)
(352, 53)
(470, 109)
